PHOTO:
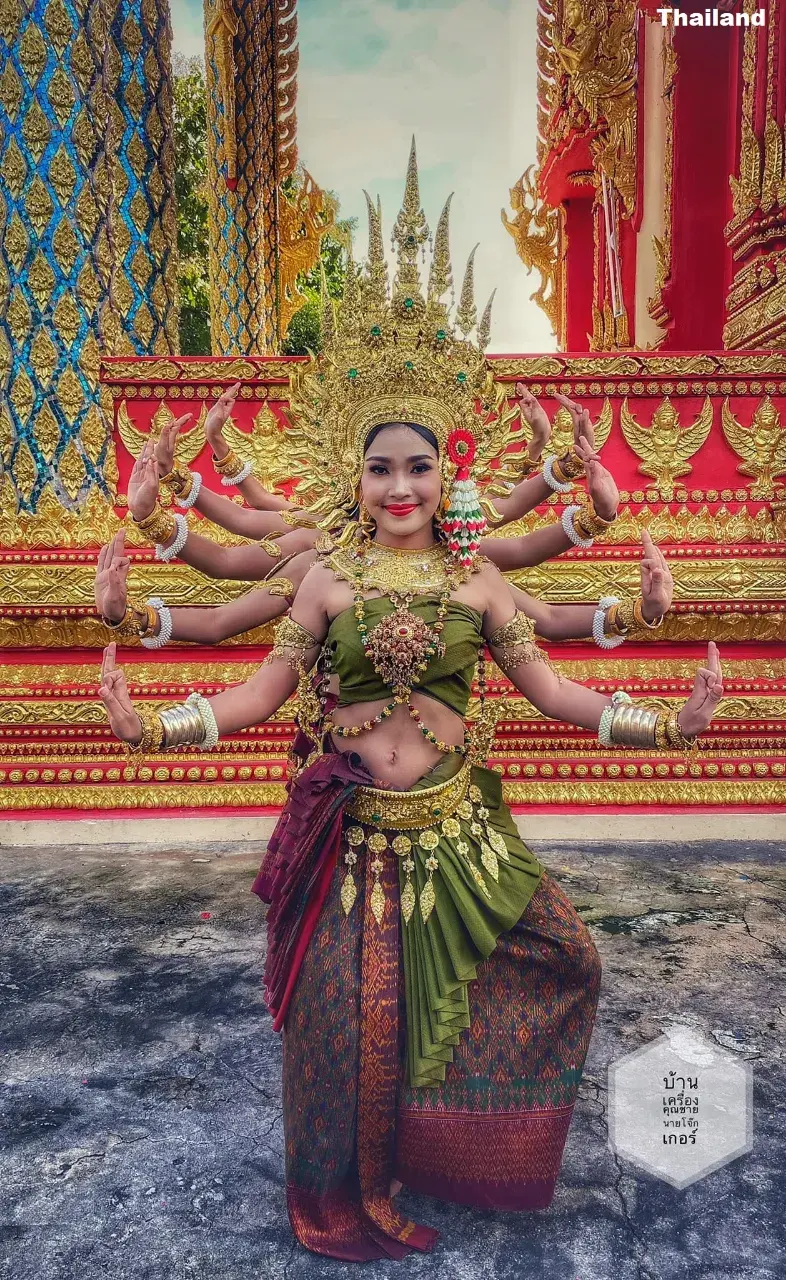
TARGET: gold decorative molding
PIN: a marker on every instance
(656, 306)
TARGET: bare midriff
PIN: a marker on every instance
(395, 752)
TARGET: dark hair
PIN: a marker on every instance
(423, 432)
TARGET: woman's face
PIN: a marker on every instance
(401, 485)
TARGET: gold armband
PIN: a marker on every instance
(588, 523)
(292, 642)
(567, 468)
(516, 639)
(160, 526)
(297, 519)
(283, 587)
(270, 545)
(490, 511)
(179, 480)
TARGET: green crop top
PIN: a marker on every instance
(447, 679)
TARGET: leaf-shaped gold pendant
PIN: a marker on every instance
(489, 859)
(378, 902)
(348, 893)
(427, 900)
(407, 901)
(497, 842)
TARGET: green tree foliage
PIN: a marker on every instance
(192, 209)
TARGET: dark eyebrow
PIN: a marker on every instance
(416, 457)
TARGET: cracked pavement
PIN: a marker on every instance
(140, 1108)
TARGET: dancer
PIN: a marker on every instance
(435, 987)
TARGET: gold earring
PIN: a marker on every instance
(367, 525)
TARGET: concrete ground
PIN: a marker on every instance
(141, 1118)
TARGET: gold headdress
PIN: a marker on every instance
(393, 355)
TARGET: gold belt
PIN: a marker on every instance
(408, 810)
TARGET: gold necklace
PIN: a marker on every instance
(398, 570)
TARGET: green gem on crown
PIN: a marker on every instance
(353, 373)
(408, 364)
(409, 303)
(441, 335)
(376, 330)
(461, 377)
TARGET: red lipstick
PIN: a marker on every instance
(402, 508)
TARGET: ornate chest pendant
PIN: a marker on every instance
(401, 646)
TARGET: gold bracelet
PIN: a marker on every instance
(661, 736)
(677, 739)
(588, 523)
(567, 468)
(179, 480)
(297, 519)
(613, 625)
(283, 587)
(270, 545)
(152, 733)
(639, 618)
(528, 465)
(624, 618)
(230, 465)
(159, 527)
(138, 620)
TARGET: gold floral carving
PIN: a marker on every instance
(665, 447)
(761, 446)
(536, 231)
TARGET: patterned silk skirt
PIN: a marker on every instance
(489, 1129)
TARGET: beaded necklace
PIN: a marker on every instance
(400, 648)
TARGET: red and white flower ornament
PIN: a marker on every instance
(464, 522)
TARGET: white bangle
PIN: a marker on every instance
(205, 711)
(228, 481)
(599, 624)
(567, 524)
(607, 715)
(196, 485)
(164, 625)
(549, 477)
(181, 537)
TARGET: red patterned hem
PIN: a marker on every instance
(502, 1162)
(336, 1226)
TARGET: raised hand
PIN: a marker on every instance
(165, 445)
(582, 423)
(111, 590)
(657, 584)
(698, 711)
(113, 691)
(601, 484)
(536, 417)
(143, 484)
(215, 420)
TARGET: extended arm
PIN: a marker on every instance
(577, 621)
(157, 624)
(511, 641)
(255, 494)
(203, 721)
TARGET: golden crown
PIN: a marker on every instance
(392, 354)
